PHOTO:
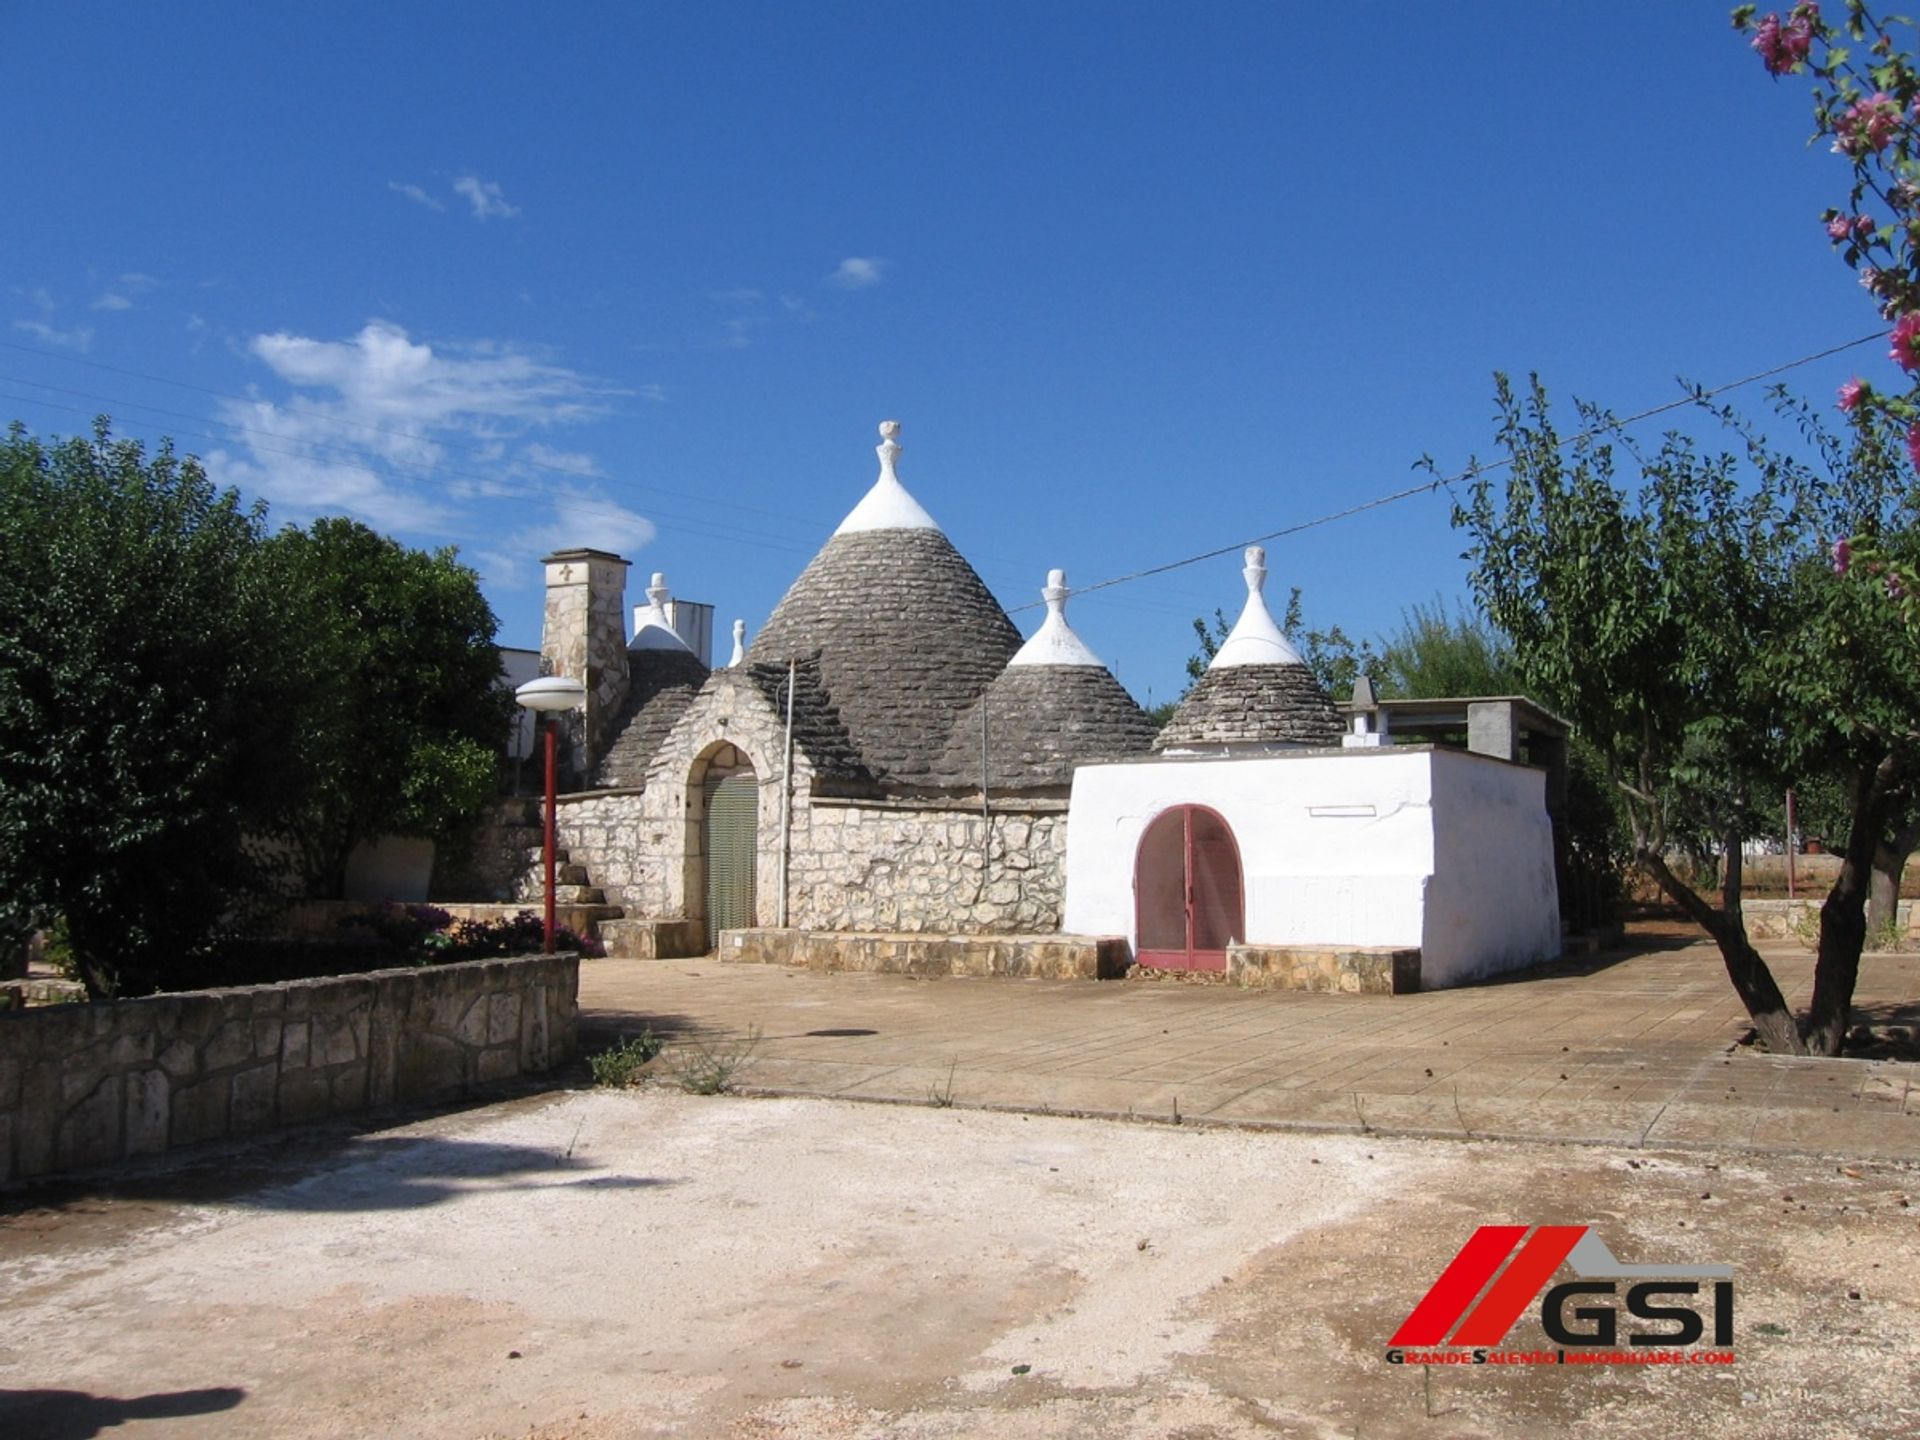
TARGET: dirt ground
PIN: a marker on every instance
(640, 1263)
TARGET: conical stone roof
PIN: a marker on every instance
(1054, 706)
(1257, 691)
(661, 684)
(906, 634)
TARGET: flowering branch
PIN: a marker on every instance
(1870, 107)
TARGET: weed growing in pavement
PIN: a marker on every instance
(621, 1064)
(941, 1098)
(708, 1067)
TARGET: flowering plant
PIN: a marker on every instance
(1868, 104)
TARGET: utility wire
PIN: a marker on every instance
(1693, 397)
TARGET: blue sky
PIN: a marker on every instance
(1138, 281)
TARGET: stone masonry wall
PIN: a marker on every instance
(854, 865)
(863, 867)
(91, 1085)
(583, 636)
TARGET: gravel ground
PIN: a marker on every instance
(639, 1263)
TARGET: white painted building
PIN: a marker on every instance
(1400, 847)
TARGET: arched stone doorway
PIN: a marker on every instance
(1188, 901)
(729, 839)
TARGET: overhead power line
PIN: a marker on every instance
(1471, 472)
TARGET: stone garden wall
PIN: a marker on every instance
(90, 1085)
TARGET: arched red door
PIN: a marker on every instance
(1186, 889)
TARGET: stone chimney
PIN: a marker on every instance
(584, 636)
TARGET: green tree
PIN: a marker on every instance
(1865, 90)
(1441, 653)
(402, 718)
(1694, 633)
(136, 743)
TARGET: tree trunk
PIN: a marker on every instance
(1843, 916)
(1883, 887)
(1752, 981)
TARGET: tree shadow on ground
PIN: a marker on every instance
(76, 1415)
(1576, 967)
(329, 1174)
(602, 1027)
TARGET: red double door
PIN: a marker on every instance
(1187, 892)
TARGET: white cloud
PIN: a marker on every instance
(113, 301)
(606, 523)
(401, 432)
(485, 196)
(574, 462)
(415, 194)
(858, 272)
(80, 337)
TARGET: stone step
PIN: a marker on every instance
(642, 939)
(570, 874)
(576, 895)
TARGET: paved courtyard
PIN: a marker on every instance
(599, 1265)
(1634, 1049)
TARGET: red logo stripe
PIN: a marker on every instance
(1516, 1287)
(1458, 1284)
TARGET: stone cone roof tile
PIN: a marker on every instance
(817, 731)
(905, 635)
(662, 685)
(1042, 720)
(1252, 704)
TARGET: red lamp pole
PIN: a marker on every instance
(547, 696)
(549, 725)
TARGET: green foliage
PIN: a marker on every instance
(1695, 633)
(402, 721)
(177, 691)
(1641, 616)
(426, 934)
(136, 744)
(710, 1067)
(1438, 653)
(620, 1065)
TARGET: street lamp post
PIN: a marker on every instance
(548, 697)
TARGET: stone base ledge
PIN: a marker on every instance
(638, 939)
(1029, 957)
(1328, 969)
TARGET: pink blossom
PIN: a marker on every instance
(1783, 48)
(1896, 587)
(1842, 556)
(1862, 227)
(1838, 228)
(1867, 125)
(1906, 342)
(1913, 444)
(1851, 393)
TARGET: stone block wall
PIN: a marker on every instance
(1354, 970)
(1020, 957)
(866, 867)
(91, 1085)
(583, 635)
(1799, 920)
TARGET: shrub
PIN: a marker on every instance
(620, 1065)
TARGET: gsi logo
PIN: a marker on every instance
(1464, 1310)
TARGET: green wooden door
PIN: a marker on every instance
(733, 819)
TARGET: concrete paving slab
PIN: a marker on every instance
(1619, 1049)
